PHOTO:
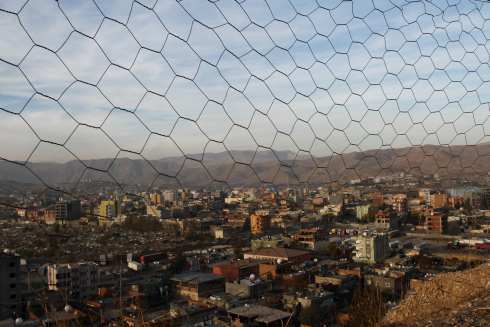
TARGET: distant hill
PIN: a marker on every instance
(248, 168)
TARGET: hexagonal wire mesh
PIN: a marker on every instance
(242, 92)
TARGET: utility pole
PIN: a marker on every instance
(120, 284)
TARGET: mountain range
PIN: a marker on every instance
(248, 168)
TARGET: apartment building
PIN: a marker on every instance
(371, 248)
(10, 286)
(78, 280)
(259, 223)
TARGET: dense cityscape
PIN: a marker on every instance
(265, 256)
(244, 163)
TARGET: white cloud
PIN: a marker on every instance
(222, 34)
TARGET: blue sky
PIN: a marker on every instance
(324, 77)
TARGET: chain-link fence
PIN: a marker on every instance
(165, 93)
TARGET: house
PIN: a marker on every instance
(391, 286)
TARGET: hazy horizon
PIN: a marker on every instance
(229, 153)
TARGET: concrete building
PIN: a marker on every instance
(49, 215)
(331, 209)
(10, 286)
(318, 303)
(438, 200)
(78, 280)
(109, 209)
(424, 196)
(335, 281)
(236, 270)
(258, 315)
(399, 203)
(169, 196)
(485, 198)
(155, 198)
(154, 211)
(68, 210)
(251, 287)
(386, 221)
(371, 248)
(195, 286)
(436, 222)
(222, 232)
(415, 206)
(312, 239)
(362, 211)
(392, 285)
(259, 223)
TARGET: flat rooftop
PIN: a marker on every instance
(260, 313)
(195, 277)
(279, 252)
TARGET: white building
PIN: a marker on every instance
(78, 280)
(219, 233)
(233, 200)
(371, 248)
(332, 209)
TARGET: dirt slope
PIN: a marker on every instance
(449, 299)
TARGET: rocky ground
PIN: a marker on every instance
(450, 299)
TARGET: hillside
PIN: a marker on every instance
(449, 299)
(248, 168)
